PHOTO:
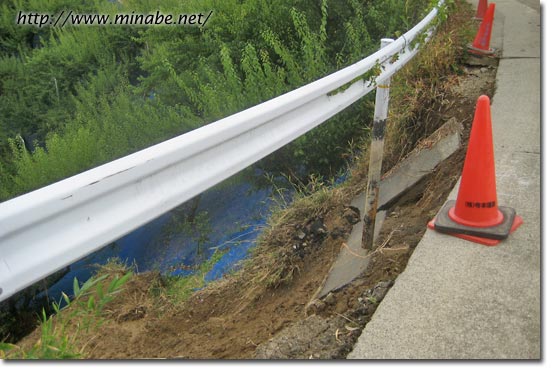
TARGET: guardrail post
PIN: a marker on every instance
(376, 155)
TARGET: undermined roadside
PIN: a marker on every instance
(267, 309)
(336, 320)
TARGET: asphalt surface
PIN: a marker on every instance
(461, 300)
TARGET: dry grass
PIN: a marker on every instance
(423, 85)
(274, 262)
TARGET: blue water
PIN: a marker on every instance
(234, 214)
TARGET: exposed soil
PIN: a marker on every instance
(341, 315)
(232, 319)
(229, 321)
(223, 321)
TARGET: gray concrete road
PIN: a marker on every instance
(460, 300)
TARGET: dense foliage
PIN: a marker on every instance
(82, 96)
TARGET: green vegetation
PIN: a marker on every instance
(87, 95)
(178, 289)
(59, 332)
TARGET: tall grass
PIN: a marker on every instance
(81, 315)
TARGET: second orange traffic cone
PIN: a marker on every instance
(481, 43)
(481, 10)
(475, 215)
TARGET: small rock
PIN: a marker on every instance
(135, 313)
(314, 307)
(351, 215)
(318, 228)
(301, 235)
(337, 233)
(364, 310)
(330, 299)
(380, 290)
(320, 305)
(483, 70)
(384, 284)
(378, 294)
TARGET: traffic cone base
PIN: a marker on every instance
(475, 215)
(445, 224)
(481, 240)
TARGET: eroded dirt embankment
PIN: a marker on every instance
(263, 311)
(234, 319)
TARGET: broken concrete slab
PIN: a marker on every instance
(352, 259)
(482, 61)
(420, 162)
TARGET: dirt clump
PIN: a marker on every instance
(230, 318)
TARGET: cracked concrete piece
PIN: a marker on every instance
(432, 151)
(353, 260)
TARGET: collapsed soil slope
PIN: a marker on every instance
(251, 318)
(228, 320)
(340, 316)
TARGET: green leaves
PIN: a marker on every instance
(76, 287)
(117, 283)
(60, 331)
(94, 94)
(5, 349)
(66, 298)
(179, 288)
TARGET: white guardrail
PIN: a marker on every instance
(45, 230)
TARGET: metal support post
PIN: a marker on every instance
(376, 155)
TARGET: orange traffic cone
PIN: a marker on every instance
(481, 10)
(481, 43)
(475, 215)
